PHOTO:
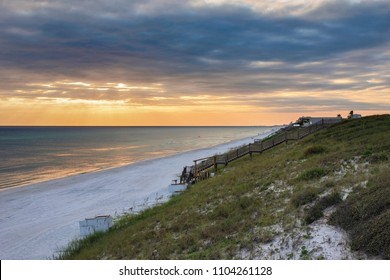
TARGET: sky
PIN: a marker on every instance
(197, 62)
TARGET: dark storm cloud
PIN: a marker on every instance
(217, 49)
(229, 36)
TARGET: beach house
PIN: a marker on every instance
(306, 121)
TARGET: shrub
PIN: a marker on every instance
(329, 184)
(373, 236)
(316, 212)
(222, 211)
(304, 253)
(245, 202)
(378, 157)
(311, 174)
(313, 214)
(314, 150)
(362, 206)
(366, 216)
(304, 196)
(332, 199)
(381, 180)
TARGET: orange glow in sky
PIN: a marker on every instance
(188, 63)
(155, 110)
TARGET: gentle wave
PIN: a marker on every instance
(30, 155)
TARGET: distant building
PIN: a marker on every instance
(92, 225)
(354, 116)
(306, 121)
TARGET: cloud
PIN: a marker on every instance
(194, 48)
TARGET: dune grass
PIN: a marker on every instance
(366, 215)
(250, 200)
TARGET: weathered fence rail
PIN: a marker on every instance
(198, 170)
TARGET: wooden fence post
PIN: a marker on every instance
(195, 169)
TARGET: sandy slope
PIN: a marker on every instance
(37, 220)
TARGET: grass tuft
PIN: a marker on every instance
(378, 157)
(316, 211)
(366, 216)
(304, 196)
(314, 150)
(313, 174)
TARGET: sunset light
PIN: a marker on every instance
(147, 130)
(72, 63)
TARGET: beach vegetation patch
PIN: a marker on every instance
(313, 174)
(378, 157)
(304, 196)
(268, 200)
(316, 211)
(329, 184)
(314, 150)
(78, 245)
(365, 214)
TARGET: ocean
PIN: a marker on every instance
(34, 154)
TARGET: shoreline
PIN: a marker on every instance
(39, 219)
(129, 164)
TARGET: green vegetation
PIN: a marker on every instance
(314, 150)
(316, 211)
(366, 215)
(304, 196)
(256, 200)
(312, 174)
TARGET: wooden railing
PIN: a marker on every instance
(198, 170)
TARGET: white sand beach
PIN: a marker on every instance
(37, 220)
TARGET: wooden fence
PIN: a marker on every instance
(198, 170)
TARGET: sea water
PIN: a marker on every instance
(35, 154)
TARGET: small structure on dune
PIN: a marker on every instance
(186, 177)
(354, 116)
(92, 225)
(307, 121)
(176, 187)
